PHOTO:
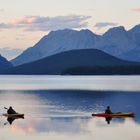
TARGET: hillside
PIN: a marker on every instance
(57, 42)
(4, 64)
(59, 63)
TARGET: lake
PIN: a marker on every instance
(60, 107)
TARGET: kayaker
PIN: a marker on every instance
(11, 111)
(108, 110)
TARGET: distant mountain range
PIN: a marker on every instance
(116, 41)
(4, 64)
(79, 62)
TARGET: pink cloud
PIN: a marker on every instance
(23, 20)
(39, 23)
(136, 10)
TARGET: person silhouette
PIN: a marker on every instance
(108, 110)
(11, 111)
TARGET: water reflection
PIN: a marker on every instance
(10, 120)
(73, 128)
(108, 120)
(117, 119)
(67, 115)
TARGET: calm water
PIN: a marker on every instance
(55, 109)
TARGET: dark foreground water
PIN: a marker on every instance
(66, 115)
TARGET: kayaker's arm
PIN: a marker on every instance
(5, 108)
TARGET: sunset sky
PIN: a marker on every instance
(23, 23)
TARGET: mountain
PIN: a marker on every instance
(134, 53)
(4, 64)
(56, 42)
(58, 64)
(116, 41)
(135, 29)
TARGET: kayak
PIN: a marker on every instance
(14, 115)
(120, 114)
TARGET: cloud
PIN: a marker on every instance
(5, 26)
(100, 25)
(38, 23)
(136, 10)
(1, 10)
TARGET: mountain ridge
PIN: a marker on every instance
(116, 41)
(58, 64)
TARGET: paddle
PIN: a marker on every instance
(5, 108)
(6, 123)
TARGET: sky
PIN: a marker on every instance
(24, 22)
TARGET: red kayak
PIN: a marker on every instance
(120, 114)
